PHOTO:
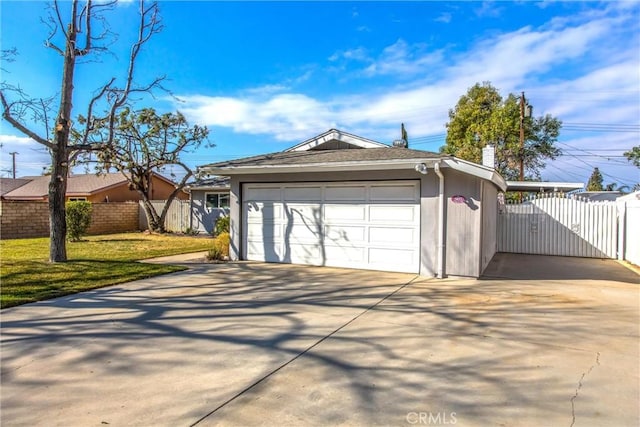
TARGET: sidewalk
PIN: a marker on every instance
(190, 258)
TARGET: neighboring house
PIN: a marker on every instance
(111, 187)
(345, 201)
(9, 184)
(543, 186)
(209, 200)
(598, 196)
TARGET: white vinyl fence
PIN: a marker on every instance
(558, 224)
(629, 228)
(178, 219)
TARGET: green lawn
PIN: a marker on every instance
(27, 276)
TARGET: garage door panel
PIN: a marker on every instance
(347, 194)
(396, 214)
(302, 193)
(338, 233)
(392, 236)
(263, 194)
(302, 233)
(260, 211)
(305, 254)
(264, 231)
(264, 251)
(371, 225)
(392, 257)
(337, 213)
(303, 214)
(345, 256)
(406, 193)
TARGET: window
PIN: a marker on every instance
(77, 199)
(216, 200)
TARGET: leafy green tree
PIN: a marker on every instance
(78, 216)
(146, 142)
(595, 181)
(614, 186)
(483, 117)
(633, 155)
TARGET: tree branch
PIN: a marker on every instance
(6, 114)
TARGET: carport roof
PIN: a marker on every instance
(388, 158)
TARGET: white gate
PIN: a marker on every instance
(558, 224)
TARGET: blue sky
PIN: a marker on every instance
(264, 76)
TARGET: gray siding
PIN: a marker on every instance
(489, 224)
(202, 219)
(464, 244)
(463, 224)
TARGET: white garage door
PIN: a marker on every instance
(369, 225)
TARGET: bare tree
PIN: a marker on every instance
(144, 143)
(86, 34)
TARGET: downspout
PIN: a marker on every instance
(441, 222)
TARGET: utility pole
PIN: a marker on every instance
(13, 155)
(522, 103)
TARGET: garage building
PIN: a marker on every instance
(345, 201)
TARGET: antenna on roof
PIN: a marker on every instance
(403, 142)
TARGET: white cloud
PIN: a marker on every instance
(513, 61)
(31, 157)
(357, 54)
(16, 141)
(402, 59)
(444, 18)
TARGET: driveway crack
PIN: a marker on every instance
(575, 396)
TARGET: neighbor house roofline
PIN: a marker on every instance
(543, 186)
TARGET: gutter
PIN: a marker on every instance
(391, 164)
(441, 222)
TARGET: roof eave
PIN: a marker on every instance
(477, 170)
(395, 164)
(208, 188)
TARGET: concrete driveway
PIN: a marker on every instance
(539, 341)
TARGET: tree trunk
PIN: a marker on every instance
(57, 211)
(155, 225)
(60, 155)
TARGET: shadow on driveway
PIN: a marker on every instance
(542, 267)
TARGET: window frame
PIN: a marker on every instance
(219, 197)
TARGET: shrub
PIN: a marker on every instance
(220, 250)
(191, 231)
(222, 225)
(78, 219)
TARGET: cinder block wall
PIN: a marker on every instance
(23, 219)
(31, 219)
(117, 217)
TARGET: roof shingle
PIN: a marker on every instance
(327, 156)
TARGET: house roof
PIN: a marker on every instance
(77, 185)
(599, 196)
(542, 187)
(212, 183)
(388, 158)
(10, 184)
(336, 139)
